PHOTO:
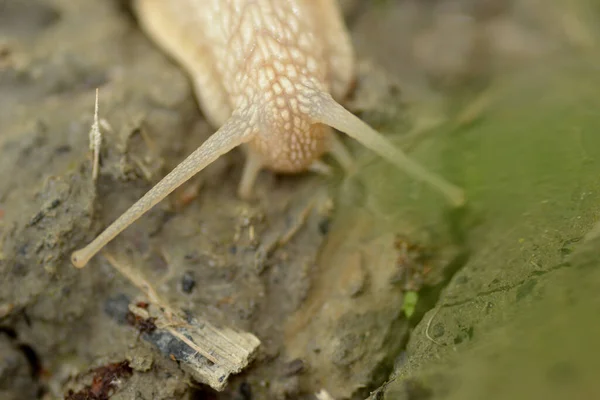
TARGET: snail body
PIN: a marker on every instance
(270, 74)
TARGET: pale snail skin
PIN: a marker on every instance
(268, 73)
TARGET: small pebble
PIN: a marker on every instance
(188, 282)
(293, 367)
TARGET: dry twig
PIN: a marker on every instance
(210, 354)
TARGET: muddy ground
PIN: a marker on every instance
(496, 96)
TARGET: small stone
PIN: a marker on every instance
(293, 367)
(188, 282)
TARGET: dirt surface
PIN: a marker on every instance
(317, 268)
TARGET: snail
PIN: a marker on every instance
(269, 74)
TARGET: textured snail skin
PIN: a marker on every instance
(265, 58)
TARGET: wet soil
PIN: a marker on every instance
(316, 267)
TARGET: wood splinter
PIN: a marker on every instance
(270, 74)
(210, 353)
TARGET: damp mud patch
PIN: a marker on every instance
(313, 267)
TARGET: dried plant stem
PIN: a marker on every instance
(95, 141)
